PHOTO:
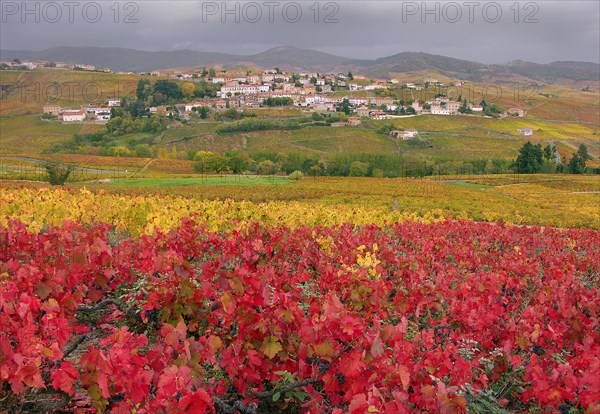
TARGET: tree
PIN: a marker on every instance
(212, 73)
(577, 163)
(583, 153)
(238, 164)
(57, 173)
(158, 97)
(266, 167)
(358, 169)
(137, 109)
(296, 175)
(350, 76)
(313, 80)
(203, 111)
(188, 89)
(530, 159)
(278, 101)
(143, 151)
(344, 107)
(207, 161)
(144, 90)
(548, 152)
(169, 90)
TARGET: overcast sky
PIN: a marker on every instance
(489, 32)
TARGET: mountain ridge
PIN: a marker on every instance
(299, 59)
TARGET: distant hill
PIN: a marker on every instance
(292, 58)
(413, 61)
(121, 59)
(563, 69)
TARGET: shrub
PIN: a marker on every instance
(57, 173)
(296, 175)
(377, 173)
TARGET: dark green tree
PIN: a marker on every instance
(577, 163)
(57, 173)
(169, 90)
(583, 153)
(530, 159)
(344, 107)
(143, 90)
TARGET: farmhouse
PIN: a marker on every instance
(73, 115)
(516, 112)
(362, 111)
(476, 108)
(439, 110)
(97, 110)
(324, 107)
(103, 116)
(52, 109)
(354, 120)
(191, 105)
(233, 88)
(526, 131)
(407, 134)
(160, 110)
(378, 115)
(381, 100)
(358, 101)
(114, 102)
(453, 106)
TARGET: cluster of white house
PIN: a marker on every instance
(33, 64)
(98, 113)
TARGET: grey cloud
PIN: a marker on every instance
(565, 31)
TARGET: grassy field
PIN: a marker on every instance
(29, 134)
(469, 185)
(31, 90)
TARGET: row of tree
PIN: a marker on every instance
(357, 165)
(533, 159)
(165, 92)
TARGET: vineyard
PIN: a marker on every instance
(164, 304)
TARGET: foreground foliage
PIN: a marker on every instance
(145, 213)
(440, 317)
